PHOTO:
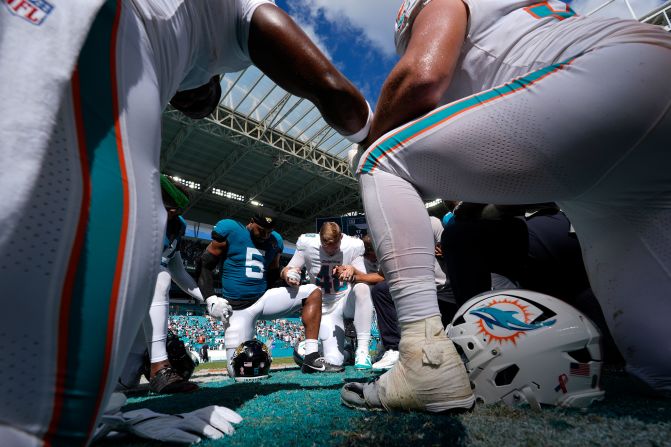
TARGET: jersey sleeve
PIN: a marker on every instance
(297, 260)
(404, 19)
(305, 241)
(246, 10)
(224, 228)
(279, 241)
(182, 226)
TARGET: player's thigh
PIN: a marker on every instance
(139, 129)
(283, 302)
(99, 248)
(550, 135)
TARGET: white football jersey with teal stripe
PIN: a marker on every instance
(509, 38)
(320, 265)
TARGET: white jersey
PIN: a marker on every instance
(509, 38)
(194, 39)
(319, 265)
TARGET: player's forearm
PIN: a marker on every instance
(182, 278)
(207, 263)
(285, 54)
(367, 278)
(272, 275)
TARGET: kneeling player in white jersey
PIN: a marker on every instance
(508, 101)
(321, 254)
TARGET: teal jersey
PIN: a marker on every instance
(243, 275)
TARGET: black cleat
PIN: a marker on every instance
(312, 363)
(168, 381)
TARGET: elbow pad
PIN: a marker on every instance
(208, 260)
(272, 276)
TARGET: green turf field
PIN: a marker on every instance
(293, 409)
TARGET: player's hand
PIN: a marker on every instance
(293, 277)
(212, 422)
(438, 251)
(219, 308)
(344, 272)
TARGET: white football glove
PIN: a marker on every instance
(212, 422)
(111, 418)
(219, 308)
(293, 278)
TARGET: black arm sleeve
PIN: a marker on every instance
(272, 276)
(206, 264)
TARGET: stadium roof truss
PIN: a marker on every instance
(266, 147)
(261, 146)
(660, 16)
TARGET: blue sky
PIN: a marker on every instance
(357, 35)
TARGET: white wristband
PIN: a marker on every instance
(363, 133)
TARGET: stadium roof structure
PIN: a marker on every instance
(660, 16)
(262, 146)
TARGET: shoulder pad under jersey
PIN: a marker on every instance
(224, 227)
(279, 242)
(307, 240)
(353, 245)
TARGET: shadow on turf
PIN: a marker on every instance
(628, 398)
(232, 396)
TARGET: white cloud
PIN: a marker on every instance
(309, 28)
(373, 18)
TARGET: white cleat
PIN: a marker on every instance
(388, 360)
(429, 375)
(362, 360)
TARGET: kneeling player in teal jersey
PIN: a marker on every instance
(251, 255)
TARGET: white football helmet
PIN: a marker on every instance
(521, 346)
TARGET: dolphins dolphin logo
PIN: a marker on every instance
(506, 320)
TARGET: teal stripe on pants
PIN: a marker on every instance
(444, 113)
(92, 293)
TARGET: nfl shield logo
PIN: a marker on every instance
(33, 11)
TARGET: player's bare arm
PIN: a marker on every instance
(286, 55)
(419, 80)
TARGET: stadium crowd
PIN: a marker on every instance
(195, 331)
